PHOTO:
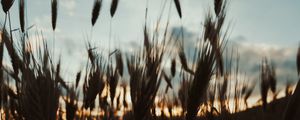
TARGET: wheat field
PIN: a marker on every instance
(137, 86)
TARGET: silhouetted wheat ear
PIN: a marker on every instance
(248, 93)
(96, 11)
(218, 6)
(184, 61)
(12, 52)
(272, 78)
(120, 64)
(292, 110)
(54, 13)
(71, 104)
(113, 7)
(6, 5)
(78, 76)
(173, 67)
(22, 14)
(178, 7)
(265, 84)
(146, 39)
(167, 79)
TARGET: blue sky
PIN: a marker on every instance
(257, 27)
(272, 22)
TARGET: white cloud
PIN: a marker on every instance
(69, 6)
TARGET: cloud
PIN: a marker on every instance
(189, 40)
(69, 6)
(43, 23)
(251, 55)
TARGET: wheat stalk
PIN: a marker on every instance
(298, 61)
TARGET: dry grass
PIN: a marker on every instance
(145, 77)
(268, 81)
(200, 81)
(94, 79)
(293, 108)
(33, 74)
(34, 89)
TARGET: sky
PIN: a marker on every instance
(257, 28)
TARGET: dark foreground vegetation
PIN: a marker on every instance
(32, 87)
